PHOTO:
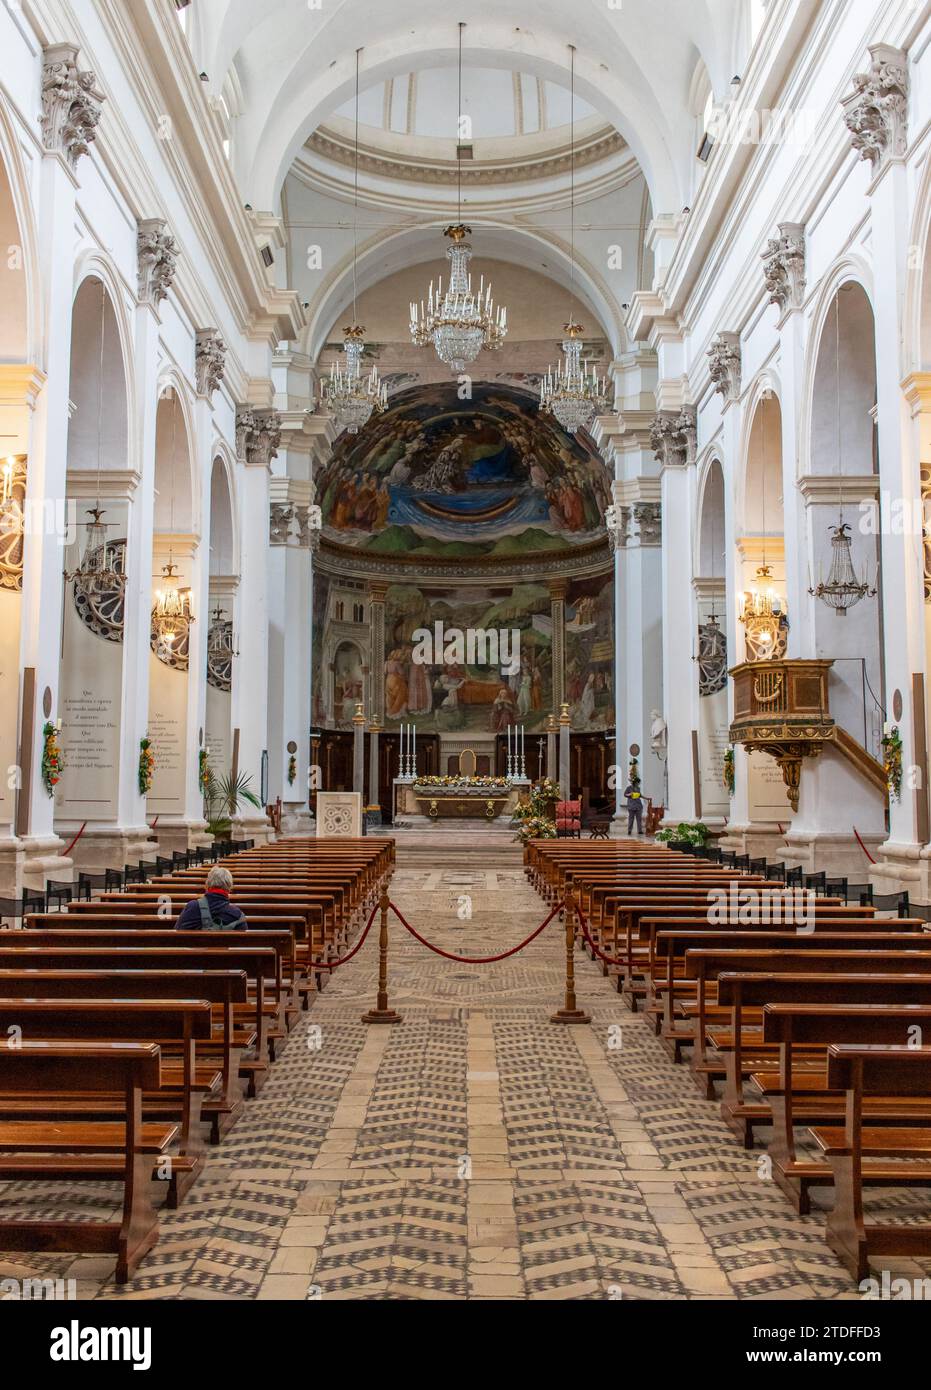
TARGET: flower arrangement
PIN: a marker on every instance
(146, 765)
(204, 774)
(292, 770)
(52, 764)
(531, 818)
(458, 781)
(536, 828)
(728, 777)
(686, 832)
(892, 760)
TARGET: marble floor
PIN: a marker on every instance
(476, 1150)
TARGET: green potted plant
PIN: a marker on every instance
(224, 797)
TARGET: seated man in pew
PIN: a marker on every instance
(214, 909)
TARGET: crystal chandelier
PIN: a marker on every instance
(763, 614)
(97, 576)
(843, 588)
(350, 399)
(573, 393)
(171, 614)
(458, 322)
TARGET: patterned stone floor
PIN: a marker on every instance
(474, 1151)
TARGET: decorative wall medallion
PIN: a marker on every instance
(712, 658)
(175, 654)
(760, 647)
(101, 608)
(220, 652)
(12, 522)
(897, 705)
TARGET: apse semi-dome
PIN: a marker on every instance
(439, 477)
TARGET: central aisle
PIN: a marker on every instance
(476, 1150)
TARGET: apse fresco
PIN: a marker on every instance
(447, 694)
(438, 476)
(590, 653)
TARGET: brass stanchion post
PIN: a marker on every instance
(570, 1013)
(381, 1013)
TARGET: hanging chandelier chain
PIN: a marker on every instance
(573, 393)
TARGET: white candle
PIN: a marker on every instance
(414, 750)
(401, 754)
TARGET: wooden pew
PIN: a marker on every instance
(863, 1073)
(224, 989)
(177, 1025)
(109, 1151)
(802, 1097)
(260, 964)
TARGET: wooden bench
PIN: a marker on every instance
(97, 1151)
(862, 1073)
(176, 1025)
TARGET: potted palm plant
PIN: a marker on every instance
(223, 799)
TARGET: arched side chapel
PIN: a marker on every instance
(164, 356)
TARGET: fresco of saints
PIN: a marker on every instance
(395, 686)
(587, 702)
(419, 693)
(525, 693)
(503, 711)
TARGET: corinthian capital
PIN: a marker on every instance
(71, 103)
(674, 437)
(876, 111)
(158, 255)
(724, 364)
(209, 361)
(258, 434)
(784, 266)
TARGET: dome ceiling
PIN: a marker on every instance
(437, 477)
(500, 105)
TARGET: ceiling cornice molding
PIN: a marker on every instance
(329, 143)
(153, 57)
(581, 561)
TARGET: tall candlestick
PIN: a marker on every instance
(414, 753)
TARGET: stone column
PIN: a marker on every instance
(358, 751)
(558, 589)
(876, 113)
(377, 591)
(565, 770)
(552, 765)
(374, 779)
(258, 435)
(674, 439)
(71, 105)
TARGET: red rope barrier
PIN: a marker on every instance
(474, 960)
(332, 964)
(75, 840)
(608, 960)
(862, 845)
